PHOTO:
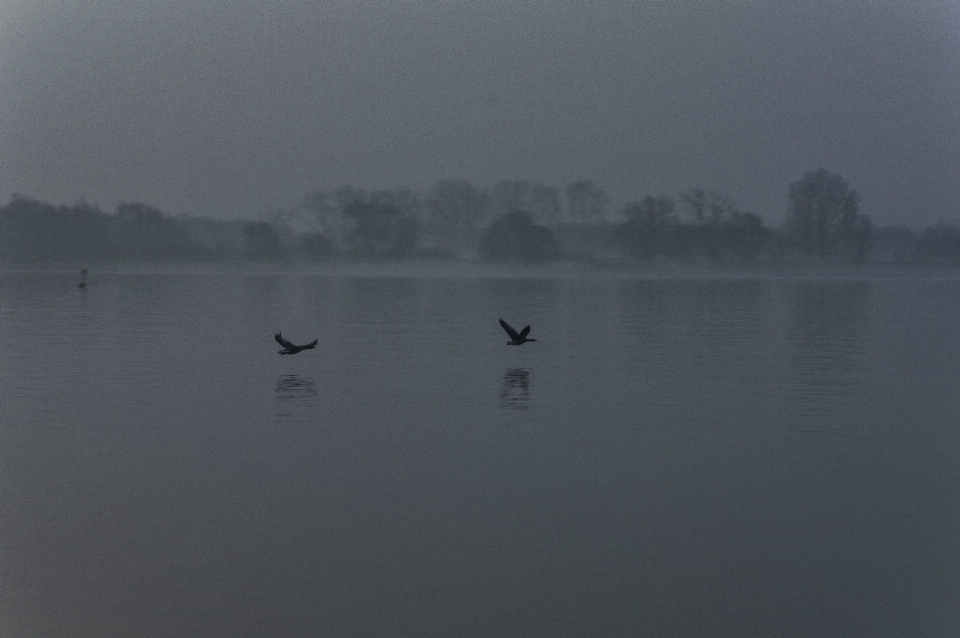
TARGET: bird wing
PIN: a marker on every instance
(525, 332)
(510, 331)
(283, 342)
(310, 345)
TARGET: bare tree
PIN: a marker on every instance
(708, 207)
(541, 202)
(327, 208)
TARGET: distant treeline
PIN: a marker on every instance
(37, 232)
(512, 221)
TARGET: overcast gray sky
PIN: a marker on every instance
(238, 108)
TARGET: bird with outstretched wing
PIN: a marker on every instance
(516, 338)
(289, 348)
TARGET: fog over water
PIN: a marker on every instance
(674, 456)
(236, 109)
(682, 452)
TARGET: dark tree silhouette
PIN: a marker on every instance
(34, 231)
(859, 239)
(646, 232)
(720, 231)
(381, 231)
(939, 245)
(261, 242)
(143, 233)
(824, 217)
(515, 238)
(336, 220)
(407, 201)
(88, 232)
(746, 236)
(895, 245)
(315, 247)
(541, 202)
(457, 211)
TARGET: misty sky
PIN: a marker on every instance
(234, 109)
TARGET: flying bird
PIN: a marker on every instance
(516, 338)
(289, 348)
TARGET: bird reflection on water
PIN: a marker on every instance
(515, 389)
(294, 392)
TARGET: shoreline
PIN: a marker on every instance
(476, 269)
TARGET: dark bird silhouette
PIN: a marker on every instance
(289, 348)
(516, 338)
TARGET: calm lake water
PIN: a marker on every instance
(672, 457)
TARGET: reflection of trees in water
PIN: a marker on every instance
(386, 291)
(829, 322)
(700, 331)
(828, 333)
(731, 307)
(294, 392)
(515, 389)
(389, 301)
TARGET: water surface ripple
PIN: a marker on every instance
(702, 457)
